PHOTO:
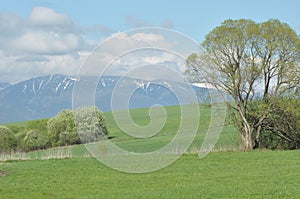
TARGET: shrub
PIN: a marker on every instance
(16, 129)
(35, 140)
(40, 125)
(281, 127)
(90, 124)
(90, 127)
(68, 138)
(8, 141)
(63, 122)
(20, 135)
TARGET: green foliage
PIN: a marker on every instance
(60, 124)
(68, 138)
(241, 55)
(16, 129)
(40, 125)
(280, 128)
(8, 141)
(21, 129)
(34, 140)
(57, 131)
(90, 127)
(20, 135)
(282, 125)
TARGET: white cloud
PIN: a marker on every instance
(32, 58)
(48, 42)
(42, 16)
(16, 68)
(41, 42)
(129, 41)
(43, 32)
(125, 51)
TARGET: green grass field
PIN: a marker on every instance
(259, 174)
(229, 139)
(70, 172)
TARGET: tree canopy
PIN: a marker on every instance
(249, 61)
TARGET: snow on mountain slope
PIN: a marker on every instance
(45, 96)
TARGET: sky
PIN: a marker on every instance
(48, 37)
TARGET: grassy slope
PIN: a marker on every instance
(259, 174)
(229, 138)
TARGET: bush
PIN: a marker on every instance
(281, 127)
(57, 131)
(16, 129)
(8, 141)
(90, 124)
(68, 138)
(61, 124)
(40, 125)
(20, 135)
(90, 127)
(35, 140)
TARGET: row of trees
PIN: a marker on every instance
(257, 64)
(83, 125)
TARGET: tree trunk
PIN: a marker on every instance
(246, 132)
(256, 141)
(247, 139)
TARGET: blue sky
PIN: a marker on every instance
(92, 21)
(192, 17)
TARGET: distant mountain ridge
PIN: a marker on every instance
(45, 96)
(3, 85)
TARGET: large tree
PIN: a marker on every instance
(249, 61)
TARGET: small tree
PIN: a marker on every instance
(63, 122)
(90, 124)
(35, 140)
(8, 141)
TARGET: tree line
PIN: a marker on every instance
(69, 127)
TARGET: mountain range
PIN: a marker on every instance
(45, 96)
(3, 85)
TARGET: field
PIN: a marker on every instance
(259, 174)
(229, 139)
(70, 172)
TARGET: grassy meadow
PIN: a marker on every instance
(258, 174)
(229, 139)
(71, 172)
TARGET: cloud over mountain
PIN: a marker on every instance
(49, 42)
(43, 43)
